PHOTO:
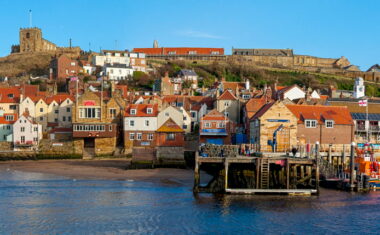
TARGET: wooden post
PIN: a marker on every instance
(287, 173)
(316, 150)
(317, 177)
(352, 166)
(257, 173)
(196, 174)
(330, 157)
(226, 174)
(344, 162)
(302, 171)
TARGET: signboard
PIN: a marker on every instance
(89, 103)
(57, 144)
(145, 143)
(278, 120)
(214, 130)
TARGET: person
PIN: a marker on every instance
(294, 151)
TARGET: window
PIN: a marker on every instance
(72, 63)
(41, 110)
(22, 129)
(221, 125)
(131, 122)
(192, 52)
(9, 117)
(184, 118)
(133, 112)
(112, 113)
(55, 119)
(226, 104)
(8, 127)
(64, 119)
(329, 124)
(131, 136)
(311, 123)
(207, 124)
(89, 113)
(69, 118)
(171, 53)
(170, 136)
(35, 139)
(184, 126)
(150, 136)
(36, 129)
(227, 114)
(41, 119)
(22, 139)
(167, 114)
(4, 137)
(56, 111)
(193, 114)
(149, 110)
(146, 122)
(68, 110)
(139, 136)
(12, 107)
(110, 127)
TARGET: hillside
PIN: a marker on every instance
(17, 65)
(260, 75)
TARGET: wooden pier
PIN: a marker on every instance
(253, 175)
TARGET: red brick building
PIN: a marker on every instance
(325, 124)
(63, 67)
(170, 135)
(180, 51)
(215, 128)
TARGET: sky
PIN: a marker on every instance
(323, 28)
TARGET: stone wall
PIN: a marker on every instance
(105, 146)
(170, 154)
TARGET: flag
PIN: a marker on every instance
(363, 102)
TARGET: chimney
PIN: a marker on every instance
(307, 95)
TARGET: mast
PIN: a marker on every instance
(367, 121)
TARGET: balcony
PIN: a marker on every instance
(372, 128)
(213, 132)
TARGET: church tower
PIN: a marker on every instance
(155, 44)
(359, 88)
(31, 40)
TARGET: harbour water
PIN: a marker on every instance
(33, 203)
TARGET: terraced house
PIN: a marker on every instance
(96, 122)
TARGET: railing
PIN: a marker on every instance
(360, 128)
(371, 128)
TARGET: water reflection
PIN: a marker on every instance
(40, 204)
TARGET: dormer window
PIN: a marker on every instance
(329, 124)
(9, 117)
(311, 123)
(133, 112)
(10, 95)
(149, 110)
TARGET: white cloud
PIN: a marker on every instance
(198, 34)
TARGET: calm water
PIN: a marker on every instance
(32, 203)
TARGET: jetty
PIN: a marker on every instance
(262, 173)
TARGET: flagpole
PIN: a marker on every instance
(367, 121)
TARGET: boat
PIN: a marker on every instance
(367, 164)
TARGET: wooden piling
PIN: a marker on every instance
(196, 174)
(352, 166)
(287, 174)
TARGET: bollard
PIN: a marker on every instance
(352, 166)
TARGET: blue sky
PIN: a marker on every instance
(325, 28)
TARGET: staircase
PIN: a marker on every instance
(88, 153)
(264, 183)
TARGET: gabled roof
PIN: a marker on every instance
(339, 114)
(233, 85)
(263, 110)
(214, 115)
(188, 72)
(253, 105)
(170, 126)
(9, 95)
(227, 95)
(141, 110)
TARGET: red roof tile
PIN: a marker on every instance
(3, 119)
(227, 95)
(214, 115)
(141, 110)
(340, 114)
(170, 126)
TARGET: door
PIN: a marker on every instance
(89, 142)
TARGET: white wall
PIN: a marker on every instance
(140, 124)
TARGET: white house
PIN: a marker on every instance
(189, 75)
(140, 125)
(291, 92)
(26, 133)
(359, 88)
(117, 71)
(178, 115)
(111, 57)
